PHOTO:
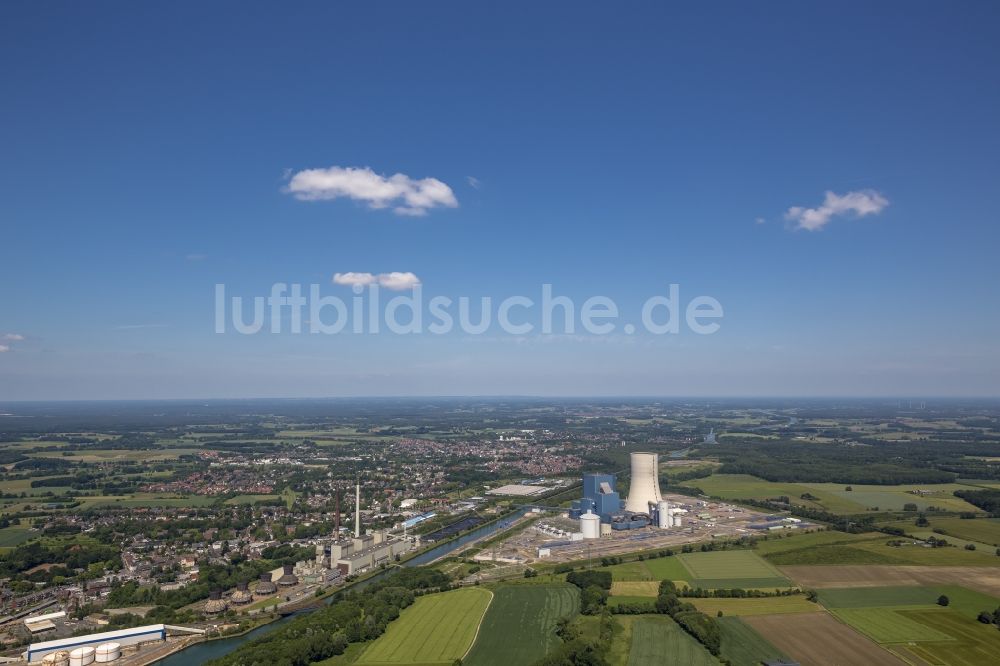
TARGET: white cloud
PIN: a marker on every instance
(396, 281)
(760, 220)
(406, 196)
(13, 337)
(473, 182)
(351, 279)
(860, 203)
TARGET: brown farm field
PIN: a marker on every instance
(818, 639)
(984, 579)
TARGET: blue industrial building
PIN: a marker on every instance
(599, 496)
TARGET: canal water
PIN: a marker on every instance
(199, 653)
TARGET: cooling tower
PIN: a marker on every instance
(645, 484)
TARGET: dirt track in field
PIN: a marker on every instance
(817, 639)
(985, 579)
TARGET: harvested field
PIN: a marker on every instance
(984, 579)
(637, 588)
(818, 639)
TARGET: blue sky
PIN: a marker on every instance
(147, 152)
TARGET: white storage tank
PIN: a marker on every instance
(590, 525)
(663, 514)
(81, 656)
(60, 658)
(107, 652)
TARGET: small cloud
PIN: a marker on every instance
(395, 281)
(473, 182)
(4, 348)
(859, 203)
(398, 281)
(759, 220)
(13, 337)
(196, 257)
(352, 279)
(407, 196)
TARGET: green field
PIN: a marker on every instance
(833, 497)
(983, 530)
(967, 602)
(146, 500)
(519, 627)
(761, 606)
(662, 568)
(436, 629)
(731, 568)
(15, 535)
(889, 625)
(874, 597)
(744, 486)
(108, 455)
(969, 642)
(743, 646)
(250, 499)
(892, 498)
(659, 640)
(877, 551)
(798, 540)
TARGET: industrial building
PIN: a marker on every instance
(645, 505)
(360, 553)
(599, 497)
(109, 643)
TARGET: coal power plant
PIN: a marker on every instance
(644, 507)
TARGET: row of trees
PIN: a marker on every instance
(987, 500)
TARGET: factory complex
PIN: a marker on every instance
(602, 523)
(104, 647)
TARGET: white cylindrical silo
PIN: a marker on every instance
(590, 525)
(644, 486)
(663, 514)
(81, 656)
(107, 652)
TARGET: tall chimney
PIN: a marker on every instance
(357, 510)
(336, 528)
